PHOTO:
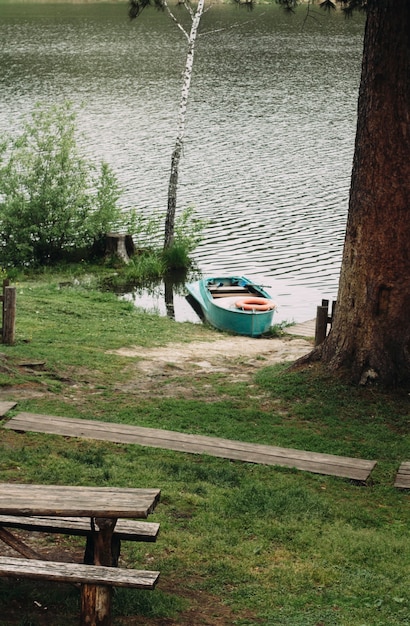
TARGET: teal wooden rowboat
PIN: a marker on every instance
(234, 304)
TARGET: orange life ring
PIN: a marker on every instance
(254, 304)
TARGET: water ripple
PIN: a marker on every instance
(270, 125)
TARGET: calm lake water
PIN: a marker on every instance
(270, 126)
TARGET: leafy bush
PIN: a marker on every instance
(52, 201)
(143, 268)
(188, 234)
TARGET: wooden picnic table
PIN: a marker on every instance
(103, 506)
(60, 500)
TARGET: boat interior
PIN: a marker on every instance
(227, 291)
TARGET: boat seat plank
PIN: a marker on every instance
(77, 573)
(234, 289)
(227, 294)
(125, 529)
(320, 463)
(403, 476)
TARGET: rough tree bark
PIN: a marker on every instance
(370, 336)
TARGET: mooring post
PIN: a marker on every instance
(9, 315)
(321, 322)
(334, 302)
(6, 283)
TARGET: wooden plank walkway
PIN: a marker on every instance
(304, 329)
(328, 464)
(403, 476)
(5, 407)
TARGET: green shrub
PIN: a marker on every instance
(188, 234)
(143, 268)
(52, 200)
(176, 257)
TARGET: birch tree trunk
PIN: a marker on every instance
(176, 155)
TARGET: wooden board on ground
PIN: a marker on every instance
(403, 476)
(5, 407)
(304, 329)
(316, 462)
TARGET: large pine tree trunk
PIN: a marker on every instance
(370, 336)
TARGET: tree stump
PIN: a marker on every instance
(121, 245)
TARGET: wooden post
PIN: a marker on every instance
(321, 322)
(9, 315)
(96, 599)
(6, 283)
(332, 315)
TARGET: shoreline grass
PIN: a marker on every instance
(260, 545)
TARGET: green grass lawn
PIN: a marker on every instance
(240, 544)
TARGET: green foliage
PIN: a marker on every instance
(347, 6)
(151, 264)
(136, 6)
(188, 234)
(176, 257)
(52, 200)
(143, 268)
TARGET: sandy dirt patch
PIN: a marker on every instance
(163, 371)
(204, 354)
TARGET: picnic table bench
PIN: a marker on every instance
(60, 509)
(77, 573)
(126, 529)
